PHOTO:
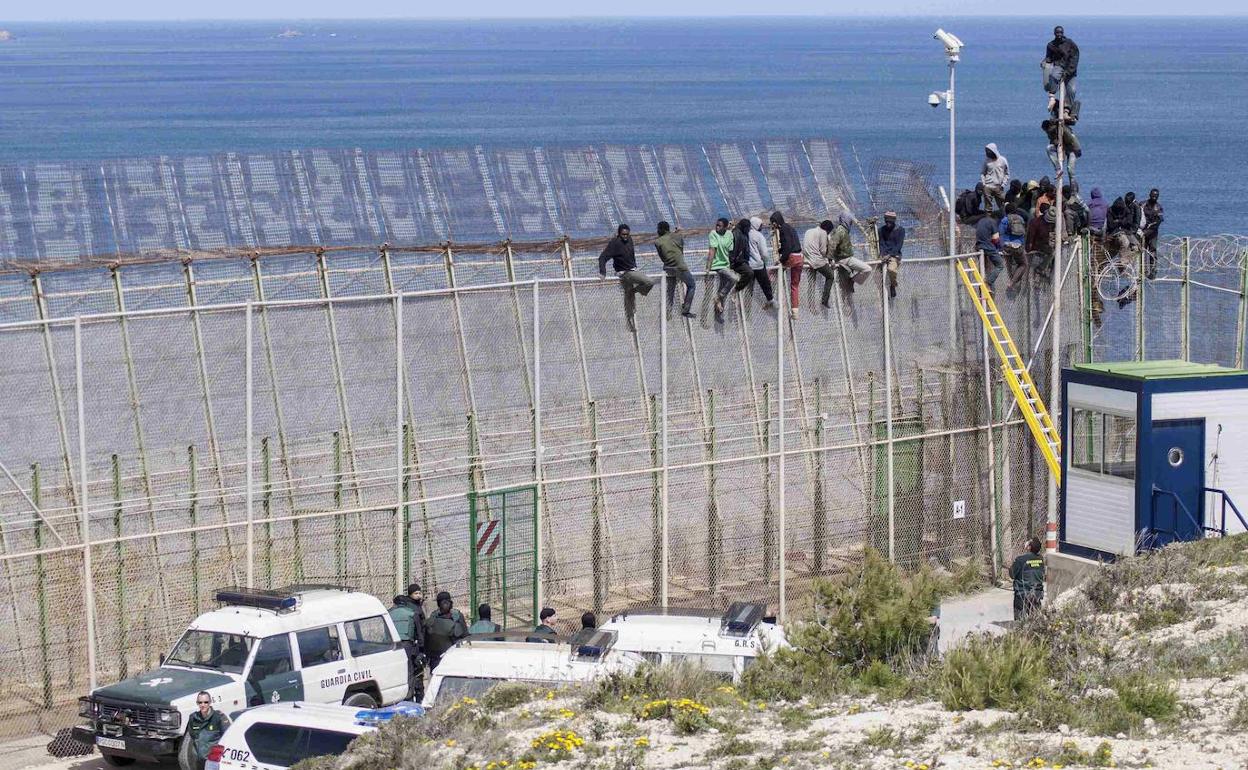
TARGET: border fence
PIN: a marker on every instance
(334, 414)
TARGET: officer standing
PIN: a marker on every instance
(409, 619)
(204, 728)
(442, 629)
(1027, 572)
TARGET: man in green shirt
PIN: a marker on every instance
(671, 248)
(1027, 572)
(443, 629)
(544, 631)
(719, 260)
(484, 624)
(205, 728)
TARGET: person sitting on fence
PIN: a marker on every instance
(1154, 215)
(891, 237)
(817, 254)
(789, 254)
(485, 624)
(969, 206)
(739, 257)
(841, 244)
(620, 252)
(1039, 243)
(759, 251)
(1027, 572)
(671, 248)
(1098, 213)
(1013, 240)
(719, 261)
(1075, 211)
(544, 632)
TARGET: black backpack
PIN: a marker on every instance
(1018, 227)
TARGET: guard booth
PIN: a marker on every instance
(1153, 452)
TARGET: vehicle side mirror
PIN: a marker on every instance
(162, 659)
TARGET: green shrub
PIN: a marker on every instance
(1148, 697)
(507, 695)
(1239, 716)
(1170, 609)
(733, 746)
(991, 672)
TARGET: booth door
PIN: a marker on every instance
(1178, 451)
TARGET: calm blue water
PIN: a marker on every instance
(1165, 101)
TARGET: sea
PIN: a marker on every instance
(1165, 101)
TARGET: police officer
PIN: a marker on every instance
(205, 728)
(409, 619)
(484, 624)
(588, 621)
(1027, 572)
(544, 632)
(443, 629)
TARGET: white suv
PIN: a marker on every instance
(280, 735)
(322, 644)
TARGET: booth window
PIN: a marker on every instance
(1102, 443)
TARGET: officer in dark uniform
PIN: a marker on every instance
(544, 631)
(443, 629)
(1027, 572)
(409, 619)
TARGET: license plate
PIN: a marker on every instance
(110, 743)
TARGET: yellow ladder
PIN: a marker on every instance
(1013, 367)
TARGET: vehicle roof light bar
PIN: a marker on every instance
(592, 643)
(276, 601)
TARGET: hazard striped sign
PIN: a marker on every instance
(488, 537)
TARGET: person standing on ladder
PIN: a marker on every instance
(1027, 572)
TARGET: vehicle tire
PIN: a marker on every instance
(361, 700)
(186, 755)
(116, 760)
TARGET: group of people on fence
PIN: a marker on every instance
(426, 638)
(1016, 223)
(740, 256)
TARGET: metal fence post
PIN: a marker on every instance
(54, 377)
(1242, 326)
(192, 482)
(84, 506)
(248, 419)
(888, 417)
(1140, 317)
(782, 293)
(1185, 342)
(538, 453)
(41, 592)
(665, 534)
(400, 440)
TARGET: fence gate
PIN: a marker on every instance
(502, 532)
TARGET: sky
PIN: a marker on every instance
(162, 10)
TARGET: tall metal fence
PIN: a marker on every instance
(157, 454)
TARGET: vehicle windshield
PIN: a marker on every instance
(455, 687)
(217, 650)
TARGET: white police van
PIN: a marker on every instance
(724, 644)
(316, 643)
(476, 665)
(280, 735)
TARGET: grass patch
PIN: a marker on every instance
(992, 672)
(1239, 715)
(507, 695)
(795, 718)
(733, 746)
(1172, 608)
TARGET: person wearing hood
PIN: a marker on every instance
(969, 206)
(817, 254)
(789, 254)
(1098, 213)
(1039, 243)
(739, 258)
(988, 241)
(759, 251)
(1076, 211)
(995, 177)
(443, 629)
(671, 249)
(842, 247)
(1061, 64)
(1121, 241)
(409, 621)
(1154, 215)
(1015, 193)
(719, 261)
(891, 237)
(620, 252)
(1070, 146)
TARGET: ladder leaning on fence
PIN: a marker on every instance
(1014, 368)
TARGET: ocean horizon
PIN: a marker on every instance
(1163, 98)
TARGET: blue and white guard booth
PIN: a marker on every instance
(1152, 452)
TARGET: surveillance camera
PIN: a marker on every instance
(952, 44)
(934, 100)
